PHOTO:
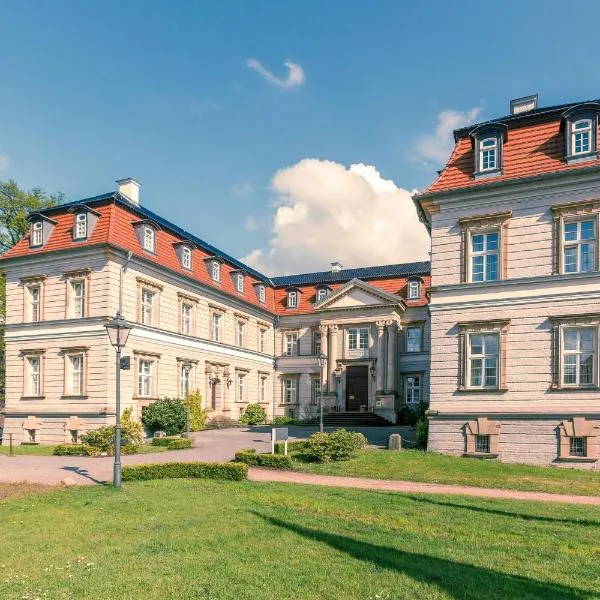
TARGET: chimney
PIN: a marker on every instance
(130, 188)
(336, 267)
(526, 104)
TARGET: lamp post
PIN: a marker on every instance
(338, 376)
(322, 359)
(118, 331)
(186, 392)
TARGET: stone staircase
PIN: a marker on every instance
(350, 419)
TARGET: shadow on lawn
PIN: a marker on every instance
(504, 513)
(461, 580)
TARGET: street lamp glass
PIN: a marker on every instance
(118, 331)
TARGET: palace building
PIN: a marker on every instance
(515, 296)
(355, 339)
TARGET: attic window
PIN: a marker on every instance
(149, 238)
(488, 154)
(321, 294)
(292, 299)
(580, 127)
(488, 143)
(186, 258)
(80, 226)
(216, 270)
(414, 289)
(37, 233)
(261, 293)
(239, 283)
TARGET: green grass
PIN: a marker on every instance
(193, 539)
(19, 450)
(413, 465)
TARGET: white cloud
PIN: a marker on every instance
(295, 76)
(325, 212)
(4, 162)
(250, 224)
(241, 191)
(436, 147)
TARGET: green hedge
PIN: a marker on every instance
(272, 461)
(172, 443)
(69, 450)
(191, 470)
(293, 446)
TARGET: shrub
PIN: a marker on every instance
(197, 413)
(283, 420)
(167, 415)
(69, 450)
(409, 416)
(422, 431)
(338, 445)
(102, 440)
(172, 443)
(272, 461)
(254, 414)
(293, 446)
(191, 470)
(221, 422)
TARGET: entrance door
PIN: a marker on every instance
(357, 387)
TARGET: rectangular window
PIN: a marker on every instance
(34, 383)
(75, 375)
(241, 387)
(581, 135)
(241, 327)
(482, 444)
(358, 339)
(35, 293)
(147, 306)
(149, 239)
(579, 356)
(185, 380)
(579, 244)
(292, 300)
(216, 327)
(80, 226)
(289, 391)
(488, 151)
(145, 378)
(216, 271)
(483, 360)
(78, 299)
(37, 234)
(239, 283)
(291, 344)
(263, 390)
(315, 392)
(414, 290)
(316, 343)
(262, 334)
(484, 256)
(412, 390)
(414, 339)
(186, 318)
(578, 446)
(261, 293)
(321, 294)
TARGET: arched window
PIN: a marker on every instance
(292, 301)
(80, 226)
(216, 270)
(581, 136)
(148, 238)
(261, 293)
(37, 236)
(321, 294)
(239, 283)
(488, 154)
(186, 257)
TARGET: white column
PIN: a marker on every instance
(380, 356)
(391, 355)
(324, 383)
(333, 354)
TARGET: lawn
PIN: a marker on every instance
(413, 465)
(19, 450)
(193, 539)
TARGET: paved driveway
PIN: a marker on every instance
(213, 445)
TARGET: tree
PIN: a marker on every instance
(15, 206)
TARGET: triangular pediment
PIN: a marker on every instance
(358, 294)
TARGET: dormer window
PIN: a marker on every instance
(80, 226)
(37, 233)
(261, 293)
(581, 137)
(186, 257)
(239, 282)
(487, 142)
(149, 238)
(292, 299)
(215, 272)
(488, 154)
(580, 124)
(321, 294)
(414, 289)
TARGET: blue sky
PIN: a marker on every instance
(162, 91)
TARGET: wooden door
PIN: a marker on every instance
(357, 387)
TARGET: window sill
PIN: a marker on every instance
(487, 174)
(27, 398)
(74, 397)
(479, 455)
(567, 389)
(145, 398)
(575, 459)
(573, 159)
(463, 390)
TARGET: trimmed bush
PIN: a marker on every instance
(293, 446)
(172, 443)
(254, 414)
(166, 415)
(191, 470)
(422, 431)
(335, 446)
(69, 450)
(197, 413)
(283, 420)
(271, 461)
(102, 440)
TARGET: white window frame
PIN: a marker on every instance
(262, 335)
(575, 132)
(149, 238)
(262, 293)
(410, 389)
(78, 298)
(292, 299)
(321, 294)
(240, 333)
(578, 243)
(290, 390)
(291, 340)
(484, 253)
(35, 305)
(215, 272)
(75, 374)
(408, 339)
(239, 282)
(414, 289)
(241, 387)
(578, 353)
(37, 233)
(187, 311)
(81, 226)
(488, 152)
(356, 338)
(145, 377)
(185, 379)
(215, 326)
(315, 390)
(186, 258)
(264, 389)
(34, 376)
(147, 309)
(317, 343)
(483, 357)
